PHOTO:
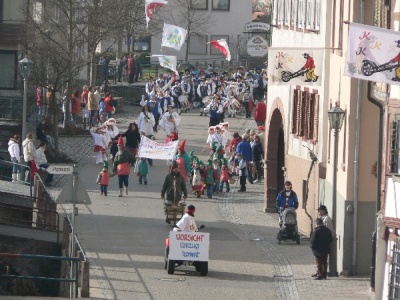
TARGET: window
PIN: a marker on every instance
(281, 11)
(317, 18)
(199, 4)
(220, 4)
(8, 63)
(394, 285)
(305, 115)
(395, 146)
(275, 13)
(309, 21)
(37, 11)
(217, 37)
(287, 15)
(198, 44)
(293, 12)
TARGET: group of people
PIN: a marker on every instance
(34, 158)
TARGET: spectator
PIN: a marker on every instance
(320, 243)
(120, 67)
(138, 68)
(258, 155)
(14, 150)
(93, 106)
(29, 156)
(131, 69)
(260, 114)
(41, 162)
(108, 105)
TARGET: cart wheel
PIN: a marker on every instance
(170, 266)
(286, 76)
(297, 239)
(203, 268)
(368, 68)
(166, 258)
(198, 194)
(197, 266)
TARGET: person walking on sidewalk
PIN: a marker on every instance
(286, 198)
(320, 243)
(122, 166)
(15, 154)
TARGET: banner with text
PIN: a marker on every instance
(151, 149)
(373, 54)
(295, 66)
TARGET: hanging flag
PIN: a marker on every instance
(295, 66)
(222, 46)
(150, 7)
(373, 54)
(173, 36)
(168, 62)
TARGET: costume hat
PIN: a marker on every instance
(120, 141)
(224, 161)
(322, 207)
(191, 154)
(182, 146)
(191, 209)
(105, 164)
(209, 163)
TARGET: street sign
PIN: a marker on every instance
(66, 196)
(60, 170)
(257, 46)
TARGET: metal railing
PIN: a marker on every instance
(394, 285)
(40, 225)
(73, 260)
(24, 168)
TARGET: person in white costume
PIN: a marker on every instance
(170, 123)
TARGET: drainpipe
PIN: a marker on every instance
(379, 181)
(356, 164)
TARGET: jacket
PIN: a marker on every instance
(287, 201)
(122, 161)
(168, 187)
(40, 157)
(103, 178)
(132, 138)
(257, 151)
(92, 102)
(244, 148)
(210, 176)
(13, 149)
(321, 240)
(29, 150)
(260, 114)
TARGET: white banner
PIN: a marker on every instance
(193, 246)
(151, 149)
(173, 36)
(295, 66)
(168, 62)
(373, 54)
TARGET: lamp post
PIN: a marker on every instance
(335, 117)
(26, 65)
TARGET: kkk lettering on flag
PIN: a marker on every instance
(295, 66)
(151, 149)
(150, 8)
(173, 36)
(373, 54)
(168, 62)
(222, 46)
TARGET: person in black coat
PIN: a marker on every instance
(132, 136)
(320, 244)
(258, 155)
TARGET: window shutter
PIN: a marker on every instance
(294, 111)
(315, 118)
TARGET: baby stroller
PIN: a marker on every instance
(288, 226)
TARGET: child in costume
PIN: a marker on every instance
(103, 179)
(225, 176)
(100, 143)
(142, 169)
(209, 177)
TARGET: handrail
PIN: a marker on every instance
(77, 241)
(33, 209)
(23, 166)
(74, 260)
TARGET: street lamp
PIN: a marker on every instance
(26, 65)
(335, 117)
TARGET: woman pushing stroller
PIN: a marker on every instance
(287, 198)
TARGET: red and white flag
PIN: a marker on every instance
(222, 46)
(150, 7)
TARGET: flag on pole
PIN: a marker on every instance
(295, 66)
(150, 7)
(373, 54)
(168, 62)
(173, 36)
(222, 46)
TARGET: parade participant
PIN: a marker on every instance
(210, 177)
(15, 155)
(239, 72)
(111, 135)
(215, 109)
(132, 136)
(259, 89)
(156, 110)
(29, 156)
(176, 91)
(168, 100)
(225, 176)
(244, 149)
(218, 138)
(160, 82)
(227, 134)
(217, 168)
(211, 131)
(187, 222)
(248, 101)
(161, 101)
(41, 162)
(146, 122)
(100, 143)
(183, 160)
(103, 179)
(258, 155)
(150, 88)
(122, 166)
(174, 186)
(320, 243)
(260, 114)
(203, 91)
(142, 169)
(170, 123)
(242, 172)
(185, 92)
